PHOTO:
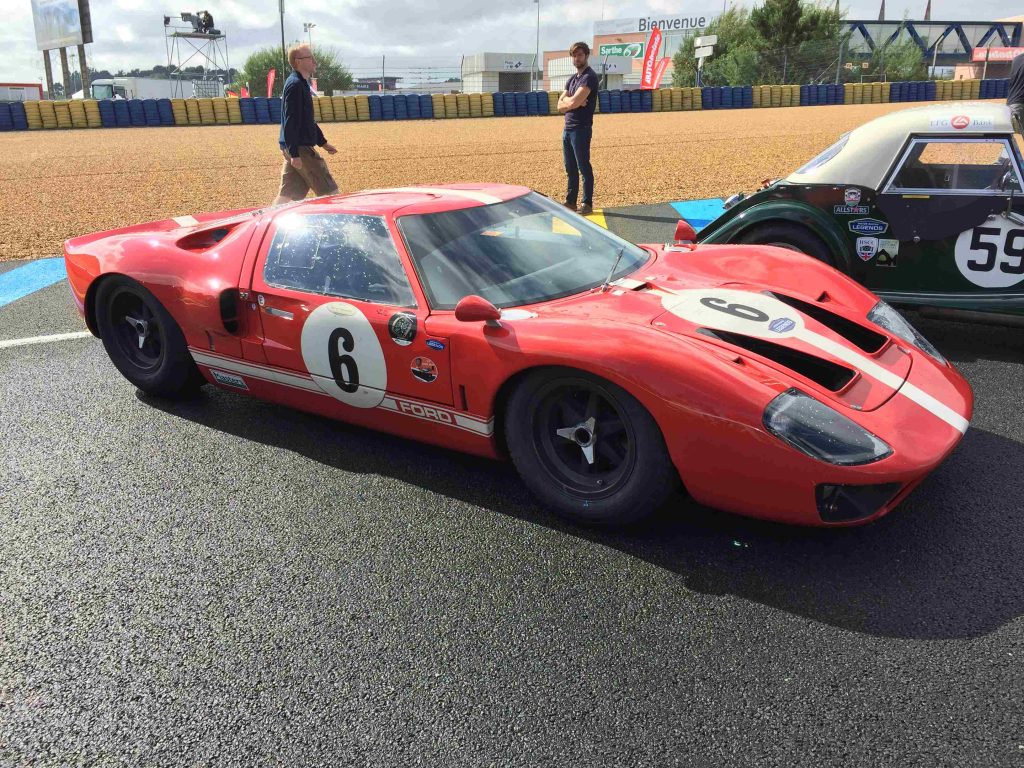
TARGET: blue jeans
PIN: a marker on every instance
(576, 153)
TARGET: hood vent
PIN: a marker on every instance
(855, 333)
(827, 374)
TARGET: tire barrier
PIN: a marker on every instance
(123, 113)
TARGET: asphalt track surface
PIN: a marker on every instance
(227, 582)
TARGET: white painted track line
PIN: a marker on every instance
(43, 339)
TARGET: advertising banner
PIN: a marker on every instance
(659, 72)
(995, 54)
(59, 24)
(630, 50)
(653, 47)
(271, 75)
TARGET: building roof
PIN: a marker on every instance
(872, 148)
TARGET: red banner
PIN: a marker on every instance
(271, 75)
(245, 92)
(650, 57)
(312, 84)
(996, 54)
(659, 72)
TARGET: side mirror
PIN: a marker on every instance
(475, 309)
(685, 233)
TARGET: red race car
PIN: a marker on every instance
(488, 319)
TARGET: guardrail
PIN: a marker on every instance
(121, 113)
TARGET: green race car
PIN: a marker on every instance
(923, 206)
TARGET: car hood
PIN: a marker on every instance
(808, 327)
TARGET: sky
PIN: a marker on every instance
(429, 33)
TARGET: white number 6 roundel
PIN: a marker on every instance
(992, 254)
(726, 309)
(344, 356)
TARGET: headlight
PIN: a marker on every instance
(885, 316)
(821, 432)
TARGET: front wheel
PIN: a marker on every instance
(143, 340)
(587, 448)
(793, 237)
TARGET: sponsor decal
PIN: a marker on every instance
(959, 123)
(888, 250)
(435, 344)
(402, 328)
(867, 247)
(228, 379)
(629, 50)
(782, 325)
(426, 412)
(868, 226)
(851, 196)
(851, 210)
(424, 369)
(517, 314)
(992, 256)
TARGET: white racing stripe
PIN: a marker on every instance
(43, 339)
(185, 221)
(875, 371)
(469, 194)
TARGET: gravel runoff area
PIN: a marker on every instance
(59, 184)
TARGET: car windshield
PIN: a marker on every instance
(826, 155)
(518, 252)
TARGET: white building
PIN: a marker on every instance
(492, 72)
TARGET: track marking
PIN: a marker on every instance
(43, 339)
(31, 277)
(598, 218)
(699, 213)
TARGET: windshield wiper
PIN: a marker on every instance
(608, 280)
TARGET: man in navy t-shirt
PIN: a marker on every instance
(578, 102)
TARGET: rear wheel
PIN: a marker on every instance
(587, 448)
(792, 236)
(143, 340)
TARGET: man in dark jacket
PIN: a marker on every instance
(304, 167)
(1015, 95)
(578, 102)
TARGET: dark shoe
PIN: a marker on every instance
(585, 210)
(570, 206)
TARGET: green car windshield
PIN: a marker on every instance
(522, 251)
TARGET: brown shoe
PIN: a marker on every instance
(570, 206)
(585, 210)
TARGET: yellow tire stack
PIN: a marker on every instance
(362, 108)
(696, 99)
(476, 106)
(180, 112)
(338, 102)
(943, 90)
(451, 106)
(78, 118)
(62, 113)
(461, 105)
(33, 116)
(234, 107)
(92, 113)
(975, 90)
(487, 104)
(326, 108)
(656, 101)
(785, 96)
(886, 92)
(220, 111)
(776, 95)
(677, 99)
(876, 93)
(848, 93)
(553, 102)
(49, 117)
(666, 100)
(957, 90)
(756, 96)
(206, 116)
(437, 100)
(192, 109)
(317, 115)
(858, 93)
(351, 114)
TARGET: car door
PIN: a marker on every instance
(335, 302)
(955, 233)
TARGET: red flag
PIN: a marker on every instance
(231, 94)
(312, 81)
(245, 92)
(270, 81)
(659, 72)
(650, 57)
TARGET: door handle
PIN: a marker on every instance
(279, 313)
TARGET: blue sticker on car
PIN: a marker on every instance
(782, 325)
(435, 344)
(868, 226)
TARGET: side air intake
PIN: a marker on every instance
(864, 338)
(829, 375)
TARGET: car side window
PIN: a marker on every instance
(337, 254)
(954, 166)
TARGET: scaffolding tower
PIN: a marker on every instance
(206, 49)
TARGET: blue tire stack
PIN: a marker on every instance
(376, 109)
(604, 101)
(122, 117)
(532, 108)
(706, 99)
(646, 101)
(744, 98)
(509, 104)
(18, 118)
(247, 106)
(164, 111)
(136, 113)
(931, 90)
(426, 107)
(716, 98)
(151, 112)
(499, 104)
(636, 103)
(387, 107)
(262, 110)
(725, 97)
(107, 117)
(274, 105)
(805, 95)
(522, 108)
(412, 106)
(626, 102)
(614, 102)
(6, 119)
(543, 106)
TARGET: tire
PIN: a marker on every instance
(627, 476)
(792, 236)
(143, 341)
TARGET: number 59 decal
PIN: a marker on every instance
(992, 256)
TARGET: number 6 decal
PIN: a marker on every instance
(992, 256)
(343, 354)
(726, 309)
